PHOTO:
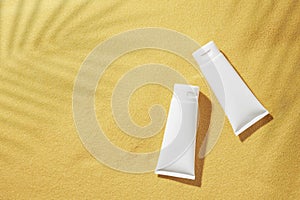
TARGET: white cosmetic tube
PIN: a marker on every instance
(238, 102)
(177, 155)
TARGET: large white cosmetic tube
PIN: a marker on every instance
(240, 105)
(177, 155)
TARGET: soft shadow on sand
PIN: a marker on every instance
(248, 132)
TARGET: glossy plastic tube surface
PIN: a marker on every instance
(177, 155)
(240, 105)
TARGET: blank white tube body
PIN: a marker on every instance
(177, 155)
(240, 105)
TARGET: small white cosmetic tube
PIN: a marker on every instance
(238, 102)
(177, 155)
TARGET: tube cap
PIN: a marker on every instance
(186, 92)
(206, 53)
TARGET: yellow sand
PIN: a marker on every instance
(43, 44)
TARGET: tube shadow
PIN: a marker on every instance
(205, 109)
(249, 131)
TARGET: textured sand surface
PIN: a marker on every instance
(43, 44)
